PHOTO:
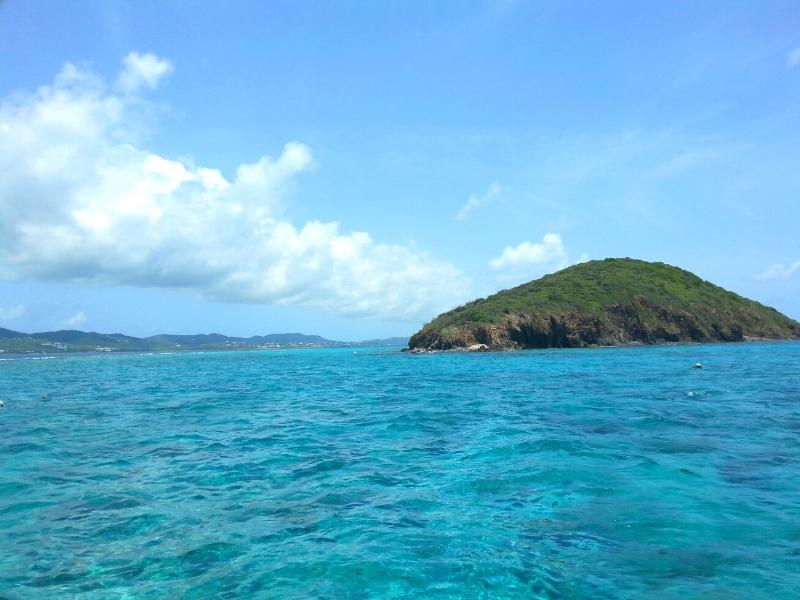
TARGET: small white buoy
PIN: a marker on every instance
(45, 396)
(698, 365)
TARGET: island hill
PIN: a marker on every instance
(611, 302)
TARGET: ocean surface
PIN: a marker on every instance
(371, 473)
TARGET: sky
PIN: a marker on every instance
(351, 169)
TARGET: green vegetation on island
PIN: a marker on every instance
(608, 302)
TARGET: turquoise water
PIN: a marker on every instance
(607, 473)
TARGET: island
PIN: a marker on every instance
(611, 302)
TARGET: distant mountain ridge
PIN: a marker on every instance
(608, 302)
(71, 340)
(217, 338)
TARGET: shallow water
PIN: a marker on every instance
(607, 473)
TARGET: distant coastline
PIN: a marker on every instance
(75, 341)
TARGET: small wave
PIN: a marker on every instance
(22, 447)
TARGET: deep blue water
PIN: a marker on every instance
(607, 473)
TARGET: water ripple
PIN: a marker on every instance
(609, 473)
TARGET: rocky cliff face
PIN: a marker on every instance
(621, 325)
(639, 319)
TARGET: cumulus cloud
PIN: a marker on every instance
(81, 202)
(142, 71)
(550, 251)
(793, 59)
(9, 313)
(77, 319)
(778, 271)
(474, 202)
(530, 259)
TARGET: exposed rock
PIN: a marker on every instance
(477, 348)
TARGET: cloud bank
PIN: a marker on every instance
(81, 202)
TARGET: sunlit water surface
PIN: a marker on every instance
(607, 473)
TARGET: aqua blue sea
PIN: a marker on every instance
(371, 473)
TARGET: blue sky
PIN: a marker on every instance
(350, 169)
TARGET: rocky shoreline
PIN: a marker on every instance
(575, 331)
(483, 348)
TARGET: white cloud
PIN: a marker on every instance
(474, 202)
(80, 202)
(778, 271)
(9, 313)
(549, 251)
(530, 259)
(142, 71)
(793, 58)
(77, 319)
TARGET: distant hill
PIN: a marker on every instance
(204, 340)
(7, 333)
(70, 340)
(288, 338)
(201, 339)
(390, 341)
(605, 302)
(91, 338)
